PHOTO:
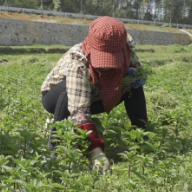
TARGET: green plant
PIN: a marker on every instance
(160, 163)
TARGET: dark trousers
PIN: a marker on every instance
(55, 101)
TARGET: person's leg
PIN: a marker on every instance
(97, 107)
(135, 105)
(55, 101)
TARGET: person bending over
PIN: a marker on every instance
(88, 80)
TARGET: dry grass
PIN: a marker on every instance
(57, 19)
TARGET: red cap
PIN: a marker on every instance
(107, 38)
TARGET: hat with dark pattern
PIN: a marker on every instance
(107, 37)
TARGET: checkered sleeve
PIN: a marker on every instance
(78, 86)
(134, 60)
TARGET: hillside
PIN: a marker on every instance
(57, 19)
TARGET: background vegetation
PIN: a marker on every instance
(163, 163)
(176, 11)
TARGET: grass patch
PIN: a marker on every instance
(165, 54)
(33, 49)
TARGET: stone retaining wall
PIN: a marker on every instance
(19, 32)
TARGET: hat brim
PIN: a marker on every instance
(101, 59)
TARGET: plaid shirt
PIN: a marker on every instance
(74, 68)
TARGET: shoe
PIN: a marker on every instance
(100, 163)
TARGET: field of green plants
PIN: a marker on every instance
(161, 164)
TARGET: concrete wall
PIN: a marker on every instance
(18, 32)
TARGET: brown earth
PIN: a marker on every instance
(57, 19)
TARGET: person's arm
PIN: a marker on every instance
(78, 87)
(135, 71)
(134, 60)
(78, 84)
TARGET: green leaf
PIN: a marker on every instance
(57, 186)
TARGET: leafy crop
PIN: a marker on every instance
(160, 163)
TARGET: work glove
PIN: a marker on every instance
(132, 71)
(137, 83)
(93, 137)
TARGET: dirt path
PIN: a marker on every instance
(184, 31)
